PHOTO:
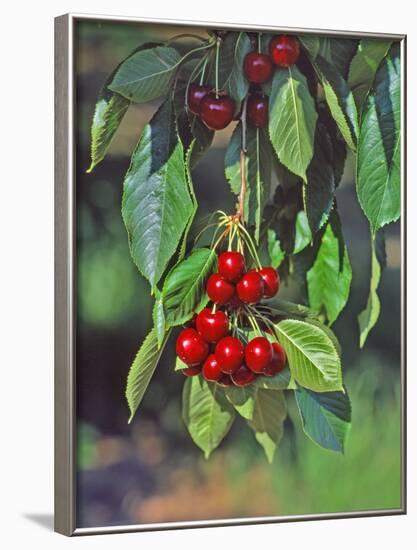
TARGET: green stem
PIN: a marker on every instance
(203, 72)
(259, 42)
(217, 66)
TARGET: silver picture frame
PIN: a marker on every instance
(65, 283)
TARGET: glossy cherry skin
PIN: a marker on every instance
(211, 369)
(195, 95)
(190, 347)
(191, 371)
(231, 266)
(217, 112)
(257, 67)
(250, 288)
(257, 111)
(271, 281)
(219, 290)
(258, 354)
(284, 50)
(229, 353)
(212, 326)
(243, 376)
(278, 361)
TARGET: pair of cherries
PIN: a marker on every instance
(217, 110)
(233, 285)
(230, 362)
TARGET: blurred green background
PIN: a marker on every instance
(150, 471)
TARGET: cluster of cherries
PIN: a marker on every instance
(208, 348)
(217, 110)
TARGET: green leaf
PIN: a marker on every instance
(269, 413)
(364, 65)
(278, 382)
(156, 200)
(312, 357)
(328, 283)
(243, 399)
(158, 318)
(184, 291)
(378, 162)
(326, 417)
(339, 99)
(180, 365)
(339, 53)
(207, 413)
(147, 74)
(276, 254)
(311, 44)
(292, 120)
(303, 236)
(142, 369)
(258, 172)
(369, 316)
(237, 84)
(320, 188)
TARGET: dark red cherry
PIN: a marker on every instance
(250, 288)
(219, 290)
(195, 95)
(191, 371)
(284, 50)
(271, 281)
(257, 110)
(257, 67)
(217, 112)
(212, 326)
(211, 368)
(278, 360)
(229, 353)
(231, 266)
(190, 347)
(258, 354)
(243, 376)
(225, 380)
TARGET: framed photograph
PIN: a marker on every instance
(230, 327)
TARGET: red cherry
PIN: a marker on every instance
(229, 353)
(250, 287)
(190, 347)
(219, 290)
(212, 326)
(195, 95)
(231, 266)
(271, 281)
(257, 67)
(217, 112)
(257, 110)
(258, 354)
(278, 361)
(191, 371)
(225, 380)
(284, 50)
(243, 376)
(211, 368)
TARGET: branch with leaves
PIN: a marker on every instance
(300, 105)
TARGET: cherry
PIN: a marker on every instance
(278, 361)
(257, 110)
(229, 353)
(211, 368)
(243, 376)
(217, 112)
(250, 287)
(219, 290)
(271, 281)
(225, 380)
(212, 326)
(258, 354)
(195, 94)
(257, 67)
(190, 347)
(191, 371)
(284, 50)
(231, 266)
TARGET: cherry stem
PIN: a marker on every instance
(259, 42)
(203, 72)
(251, 245)
(217, 66)
(213, 309)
